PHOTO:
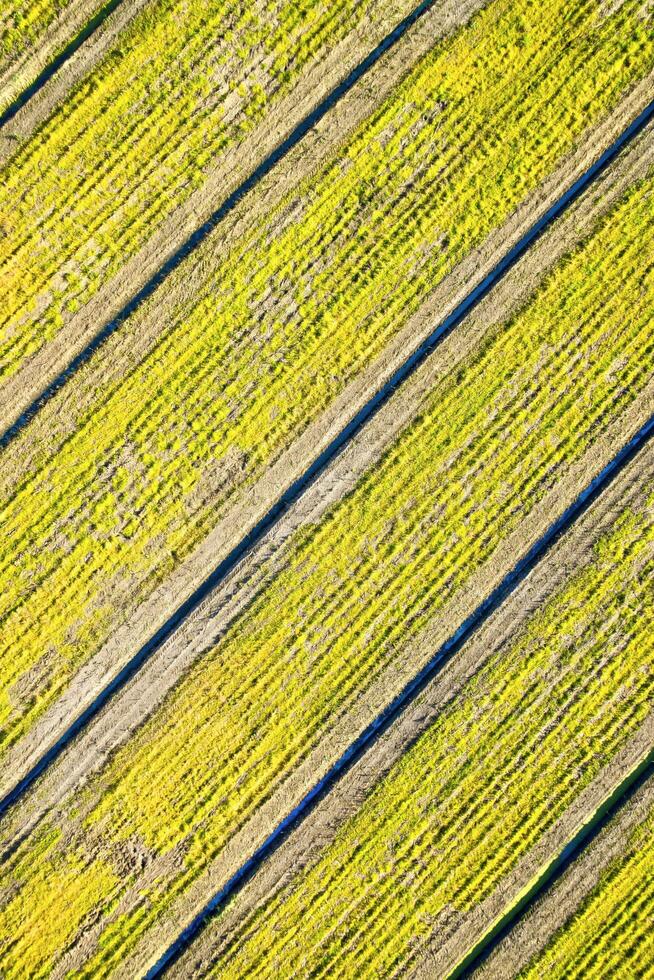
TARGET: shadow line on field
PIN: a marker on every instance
(50, 69)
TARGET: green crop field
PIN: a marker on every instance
(361, 583)
(138, 136)
(268, 341)
(610, 933)
(479, 789)
(594, 919)
(247, 496)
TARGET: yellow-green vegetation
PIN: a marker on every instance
(32, 34)
(299, 307)
(480, 787)
(135, 137)
(23, 24)
(35, 904)
(489, 442)
(610, 934)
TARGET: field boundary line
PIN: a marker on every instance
(294, 491)
(556, 867)
(408, 694)
(228, 205)
(44, 76)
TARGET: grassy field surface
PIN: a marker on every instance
(32, 32)
(230, 167)
(490, 442)
(303, 848)
(126, 161)
(260, 564)
(101, 516)
(23, 23)
(182, 84)
(610, 932)
(477, 791)
(607, 888)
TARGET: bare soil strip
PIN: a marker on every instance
(137, 700)
(117, 652)
(560, 902)
(302, 849)
(24, 76)
(189, 224)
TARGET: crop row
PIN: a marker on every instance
(610, 933)
(489, 443)
(480, 788)
(31, 33)
(135, 137)
(278, 326)
(22, 24)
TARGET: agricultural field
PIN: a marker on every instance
(355, 592)
(404, 880)
(132, 174)
(326, 487)
(33, 34)
(163, 111)
(580, 926)
(619, 912)
(110, 493)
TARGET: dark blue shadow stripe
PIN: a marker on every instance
(573, 849)
(89, 28)
(320, 463)
(228, 205)
(410, 692)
